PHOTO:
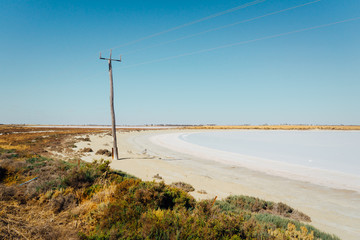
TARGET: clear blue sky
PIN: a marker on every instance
(50, 72)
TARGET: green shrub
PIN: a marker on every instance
(245, 203)
(86, 174)
(249, 203)
(90, 191)
(37, 159)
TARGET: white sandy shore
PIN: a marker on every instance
(328, 178)
(331, 210)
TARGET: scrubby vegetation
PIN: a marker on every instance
(86, 150)
(183, 186)
(96, 202)
(85, 139)
(256, 205)
(78, 200)
(157, 176)
(104, 152)
(202, 192)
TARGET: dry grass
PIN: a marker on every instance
(104, 152)
(40, 140)
(86, 150)
(24, 214)
(157, 176)
(202, 192)
(183, 186)
(43, 208)
(18, 221)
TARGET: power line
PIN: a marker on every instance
(191, 23)
(244, 42)
(222, 27)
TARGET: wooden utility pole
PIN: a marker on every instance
(114, 149)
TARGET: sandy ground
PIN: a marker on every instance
(331, 210)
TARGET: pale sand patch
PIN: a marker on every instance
(331, 210)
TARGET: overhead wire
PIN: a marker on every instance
(222, 27)
(191, 23)
(243, 42)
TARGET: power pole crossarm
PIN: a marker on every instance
(112, 59)
(115, 149)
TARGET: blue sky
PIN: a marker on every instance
(50, 72)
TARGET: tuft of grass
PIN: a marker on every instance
(202, 191)
(104, 152)
(86, 150)
(183, 186)
(85, 139)
(157, 176)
